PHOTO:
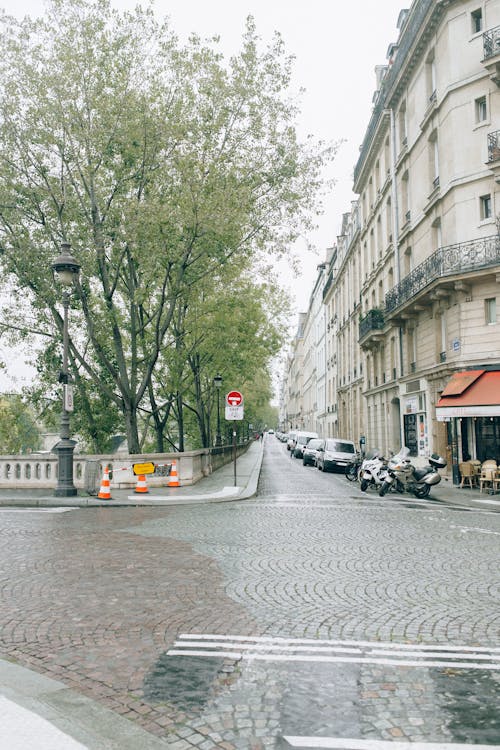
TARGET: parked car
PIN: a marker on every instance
(301, 441)
(270, 432)
(335, 453)
(310, 452)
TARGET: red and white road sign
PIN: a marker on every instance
(234, 398)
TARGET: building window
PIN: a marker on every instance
(490, 310)
(485, 207)
(481, 109)
(476, 21)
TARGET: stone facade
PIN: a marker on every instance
(411, 292)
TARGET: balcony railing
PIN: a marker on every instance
(447, 261)
(491, 42)
(373, 321)
(494, 146)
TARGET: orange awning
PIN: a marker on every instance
(472, 393)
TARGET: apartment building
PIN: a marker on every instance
(411, 290)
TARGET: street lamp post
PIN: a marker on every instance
(66, 270)
(218, 385)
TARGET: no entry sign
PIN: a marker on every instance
(234, 398)
(234, 405)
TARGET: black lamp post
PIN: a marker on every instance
(218, 385)
(66, 270)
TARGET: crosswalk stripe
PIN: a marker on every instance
(264, 648)
(392, 646)
(332, 659)
(346, 743)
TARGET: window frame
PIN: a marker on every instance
(490, 311)
(486, 207)
(476, 19)
(479, 103)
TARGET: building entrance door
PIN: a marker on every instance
(411, 434)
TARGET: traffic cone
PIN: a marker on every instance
(105, 492)
(173, 479)
(141, 485)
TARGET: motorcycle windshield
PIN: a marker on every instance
(403, 455)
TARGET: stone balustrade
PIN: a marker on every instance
(39, 470)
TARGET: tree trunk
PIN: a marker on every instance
(130, 414)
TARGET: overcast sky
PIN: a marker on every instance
(336, 45)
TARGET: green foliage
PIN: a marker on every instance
(18, 430)
(166, 168)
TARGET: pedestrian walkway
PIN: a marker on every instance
(217, 487)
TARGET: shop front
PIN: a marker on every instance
(470, 404)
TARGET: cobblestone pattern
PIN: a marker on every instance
(95, 598)
(95, 609)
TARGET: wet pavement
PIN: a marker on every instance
(311, 615)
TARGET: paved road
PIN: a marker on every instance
(311, 616)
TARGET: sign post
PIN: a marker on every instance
(234, 412)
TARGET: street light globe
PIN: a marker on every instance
(218, 381)
(65, 267)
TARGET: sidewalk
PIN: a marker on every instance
(219, 486)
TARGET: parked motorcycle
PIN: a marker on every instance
(373, 470)
(408, 478)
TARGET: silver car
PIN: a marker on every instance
(311, 451)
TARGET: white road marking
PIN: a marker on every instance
(347, 743)
(36, 510)
(263, 648)
(392, 645)
(250, 656)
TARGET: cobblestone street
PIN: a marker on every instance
(310, 611)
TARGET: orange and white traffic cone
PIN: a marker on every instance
(105, 492)
(173, 479)
(141, 485)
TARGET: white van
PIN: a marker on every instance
(335, 453)
(301, 440)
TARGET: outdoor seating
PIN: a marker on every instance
(468, 474)
(487, 476)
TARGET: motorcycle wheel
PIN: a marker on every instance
(422, 491)
(398, 487)
(384, 489)
(364, 485)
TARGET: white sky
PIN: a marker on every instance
(336, 45)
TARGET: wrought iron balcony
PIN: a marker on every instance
(491, 42)
(491, 52)
(446, 262)
(373, 322)
(494, 146)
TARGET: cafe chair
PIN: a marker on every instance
(486, 478)
(468, 474)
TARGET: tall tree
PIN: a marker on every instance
(157, 163)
